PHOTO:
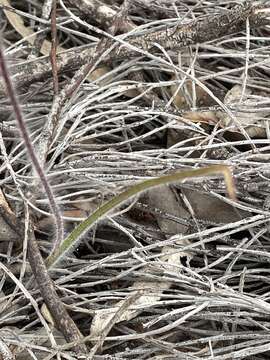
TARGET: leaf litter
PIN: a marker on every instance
(181, 272)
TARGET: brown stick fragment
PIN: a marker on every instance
(46, 286)
(101, 13)
(47, 290)
(40, 38)
(57, 309)
(197, 31)
(200, 31)
(29, 147)
(54, 48)
(94, 9)
(67, 92)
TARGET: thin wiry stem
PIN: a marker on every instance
(31, 151)
(108, 139)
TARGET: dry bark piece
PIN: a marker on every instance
(26, 32)
(56, 307)
(94, 9)
(198, 31)
(46, 285)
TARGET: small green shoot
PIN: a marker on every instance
(75, 236)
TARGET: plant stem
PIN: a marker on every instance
(75, 236)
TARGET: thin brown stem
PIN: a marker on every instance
(56, 307)
(30, 149)
(54, 48)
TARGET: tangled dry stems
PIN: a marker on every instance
(217, 302)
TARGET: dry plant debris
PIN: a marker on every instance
(114, 93)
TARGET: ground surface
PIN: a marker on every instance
(137, 90)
